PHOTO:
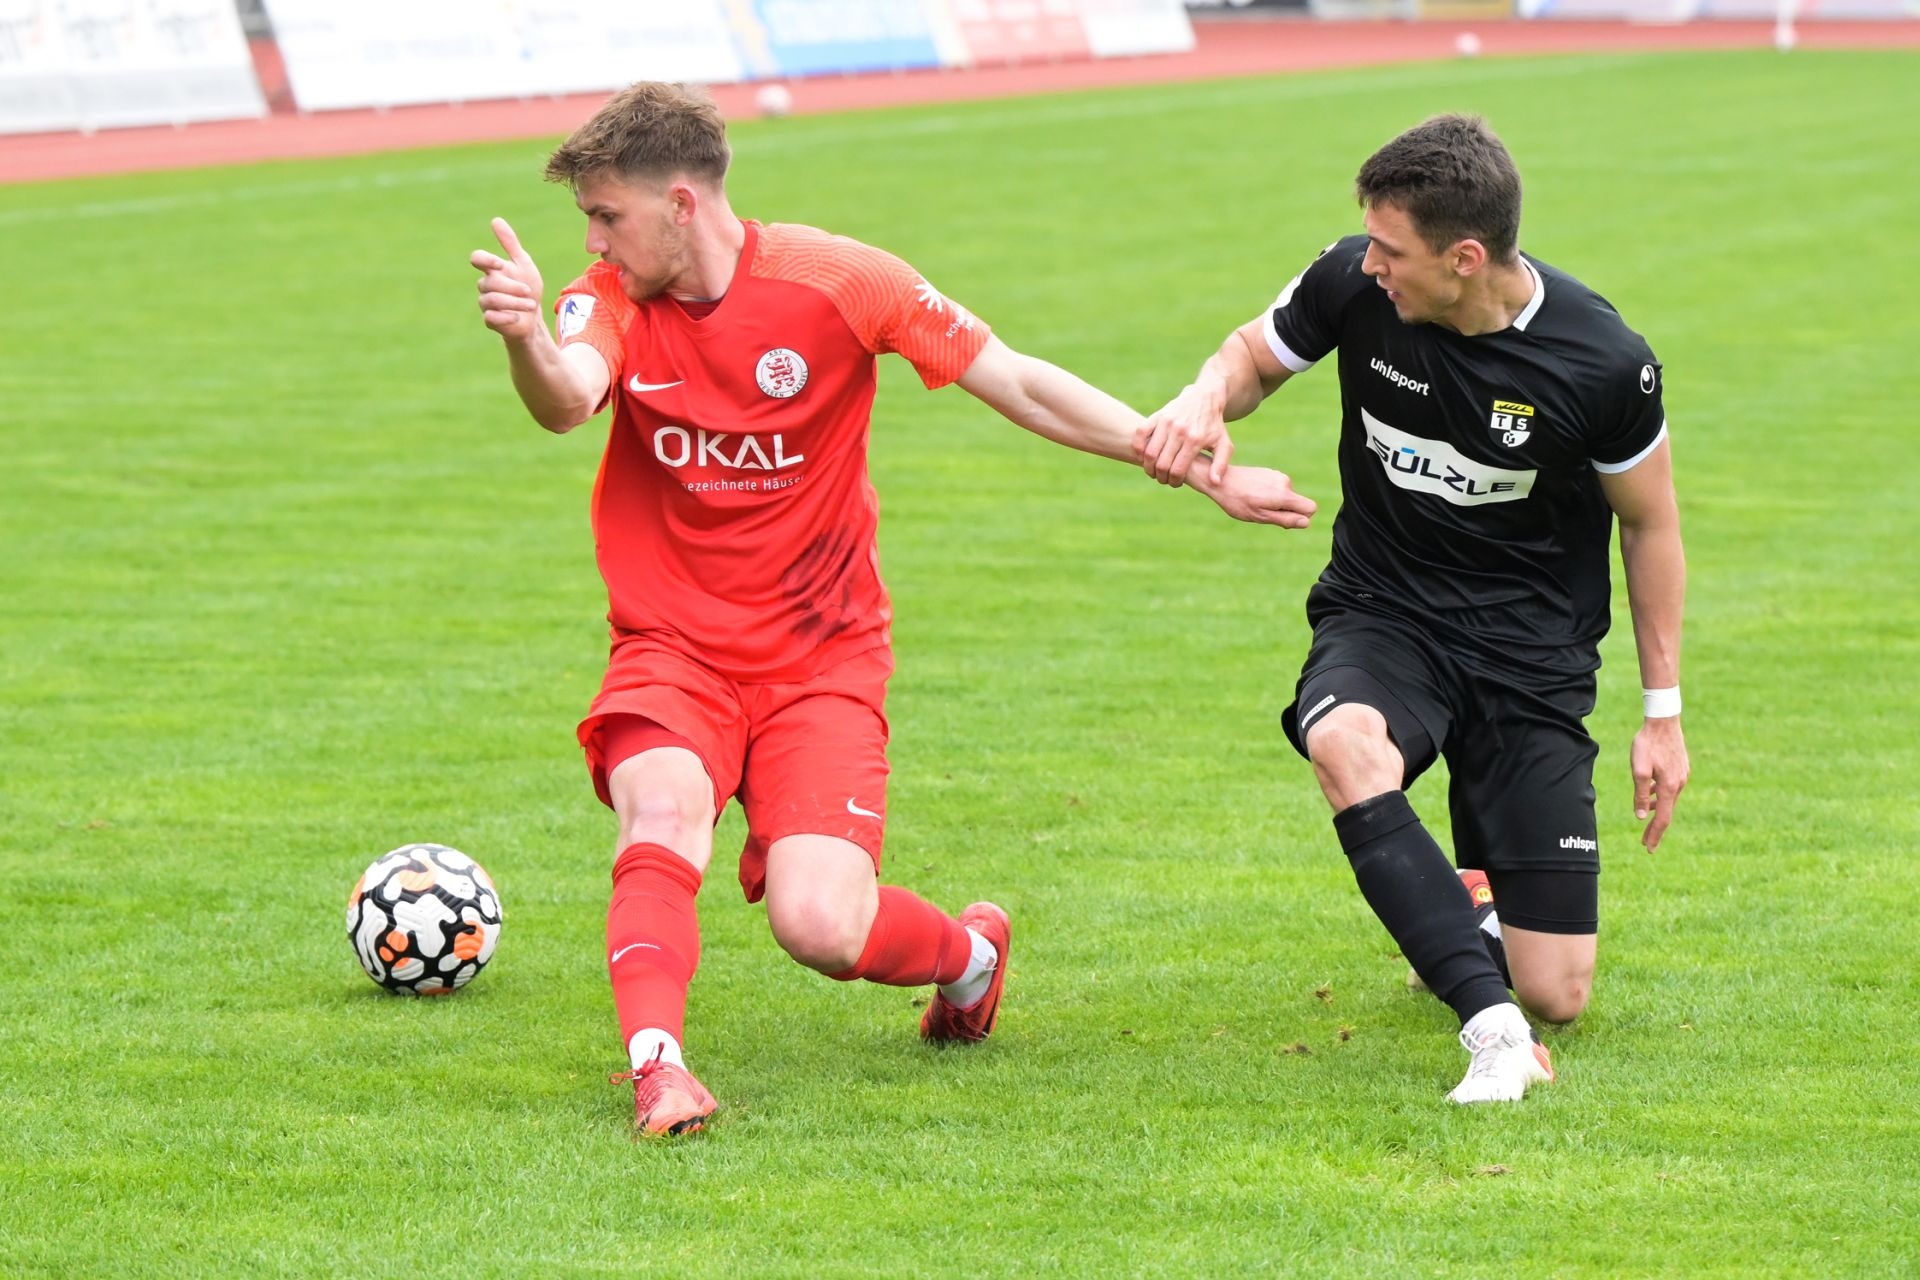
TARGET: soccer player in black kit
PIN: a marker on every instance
(1496, 417)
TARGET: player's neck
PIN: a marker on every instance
(718, 240)
(1493, 299)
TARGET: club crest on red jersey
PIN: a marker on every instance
(781, 373)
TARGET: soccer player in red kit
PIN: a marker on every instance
(735, 527)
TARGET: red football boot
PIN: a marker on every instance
(667, 1099)
(942, 1023)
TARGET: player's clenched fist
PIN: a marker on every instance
(510, 287)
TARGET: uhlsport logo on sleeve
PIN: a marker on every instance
(1512, 422)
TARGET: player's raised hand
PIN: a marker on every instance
(1660, 771)
(1191, 422)
(1259, 495)
(510, 287)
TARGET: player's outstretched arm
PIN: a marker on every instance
(1656, 571)
(561, 388)
(1049, 401)
(1229, 386)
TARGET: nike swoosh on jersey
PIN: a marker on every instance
(858, 812)
(640, 388)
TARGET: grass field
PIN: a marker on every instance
(287, 578)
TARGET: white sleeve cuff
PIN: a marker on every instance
(1281, 351)
(1615, 468)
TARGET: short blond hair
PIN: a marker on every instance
(646, 131)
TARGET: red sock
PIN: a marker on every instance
(912, 944)
(653, 938)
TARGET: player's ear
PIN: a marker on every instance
(1468, 256)
(684, 199)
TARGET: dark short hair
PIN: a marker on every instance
(1453, 176)
(650, 131)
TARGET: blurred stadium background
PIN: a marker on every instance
(90, 65)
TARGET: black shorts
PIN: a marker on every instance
(1520, 756)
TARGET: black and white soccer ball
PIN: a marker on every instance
(424, 919)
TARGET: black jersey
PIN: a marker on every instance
(1472, 507)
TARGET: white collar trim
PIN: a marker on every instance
(1534, 303)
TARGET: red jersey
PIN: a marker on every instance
(733, 516)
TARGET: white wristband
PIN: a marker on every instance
(1660, 704)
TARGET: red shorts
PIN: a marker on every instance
(805, 759)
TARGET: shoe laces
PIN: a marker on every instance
(1486, 1049)
(647, 1075)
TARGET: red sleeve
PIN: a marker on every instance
(595, 310)
(884, 301)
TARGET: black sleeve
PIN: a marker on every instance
(1631, 418)
(1303, 324)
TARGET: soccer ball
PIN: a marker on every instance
(424, 919)
(774, 100)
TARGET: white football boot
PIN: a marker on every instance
(1506, 1058)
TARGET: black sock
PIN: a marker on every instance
(1496, 947)
(1418, 896)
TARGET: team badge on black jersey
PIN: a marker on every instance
(1512, 422)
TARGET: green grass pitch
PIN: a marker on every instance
(288, 579)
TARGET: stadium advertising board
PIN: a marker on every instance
(807, 37)
(370, 53)
(95, 64)
(1000, 32)
(1692, 10)
(1689, 10)
(1465, 10)
(581, 47)
(1367, 9)
(1206, 8)
(1808, 8)
(1004, 31)
(1125, 28)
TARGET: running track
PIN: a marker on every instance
(1224, 48)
